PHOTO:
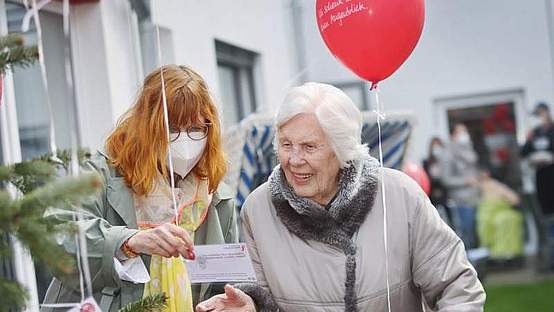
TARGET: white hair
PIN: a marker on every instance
(338, 116)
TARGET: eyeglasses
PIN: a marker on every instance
(195, 133)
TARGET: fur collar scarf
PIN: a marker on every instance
(335, 224)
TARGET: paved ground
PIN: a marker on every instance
(525, 273)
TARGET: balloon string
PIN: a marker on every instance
(60, 305)
(381, 116)
(52, 131)
(84, 267)
(166, 121)
(26, 20)
(80, 250)
(78, 255)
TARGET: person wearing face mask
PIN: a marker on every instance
(432, 165)
(433, 168)
(136, 236)
(459, 171)
(539, 149)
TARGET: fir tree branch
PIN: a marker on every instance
(35, 167)
(13, 295)
(153, 303)
(44, 247)
(5, 173)
(24, 219)
(7, 211)
(17, 57)
(27, 176)
(66, 190)
(10, 41)
(5, 248)
(65, 157)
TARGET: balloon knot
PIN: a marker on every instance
(381, 115)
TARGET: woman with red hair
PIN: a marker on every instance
(138, 221)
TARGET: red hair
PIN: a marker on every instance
(138, 146)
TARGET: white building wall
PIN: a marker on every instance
(120, 54)
(105, 67)
(259, 26)
(468, 47)
(91, 80)
(105, 53)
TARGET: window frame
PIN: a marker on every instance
(243, 63)
(441, 106)
(363, 87)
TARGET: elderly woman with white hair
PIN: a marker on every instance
(315, 230)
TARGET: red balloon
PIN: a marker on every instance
(371, 37)
(417, 173)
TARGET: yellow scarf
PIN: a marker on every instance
(170, 275)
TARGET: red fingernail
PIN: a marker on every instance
(191, 255)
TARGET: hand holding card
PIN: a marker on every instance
(221, 263)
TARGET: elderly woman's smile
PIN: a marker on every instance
(307, 159)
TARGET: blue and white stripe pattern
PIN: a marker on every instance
(395, 136)
(258, 160)
(258, 157)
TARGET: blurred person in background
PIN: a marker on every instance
(433, 166)
(539, 150)
(459, 172)
(499, 223)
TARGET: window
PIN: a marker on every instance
(145, 39)
(236, 82)
(30, 95)
(149, 46)
(495, 121)
(492, 127)
(357, 91)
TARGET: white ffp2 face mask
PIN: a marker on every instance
(185, 152)
(463, 138)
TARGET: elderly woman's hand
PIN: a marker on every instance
(166, 240)
(234, 300)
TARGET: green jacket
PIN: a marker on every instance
(109, 220)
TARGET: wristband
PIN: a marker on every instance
(128, 251)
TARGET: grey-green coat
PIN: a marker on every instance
(109, 220)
